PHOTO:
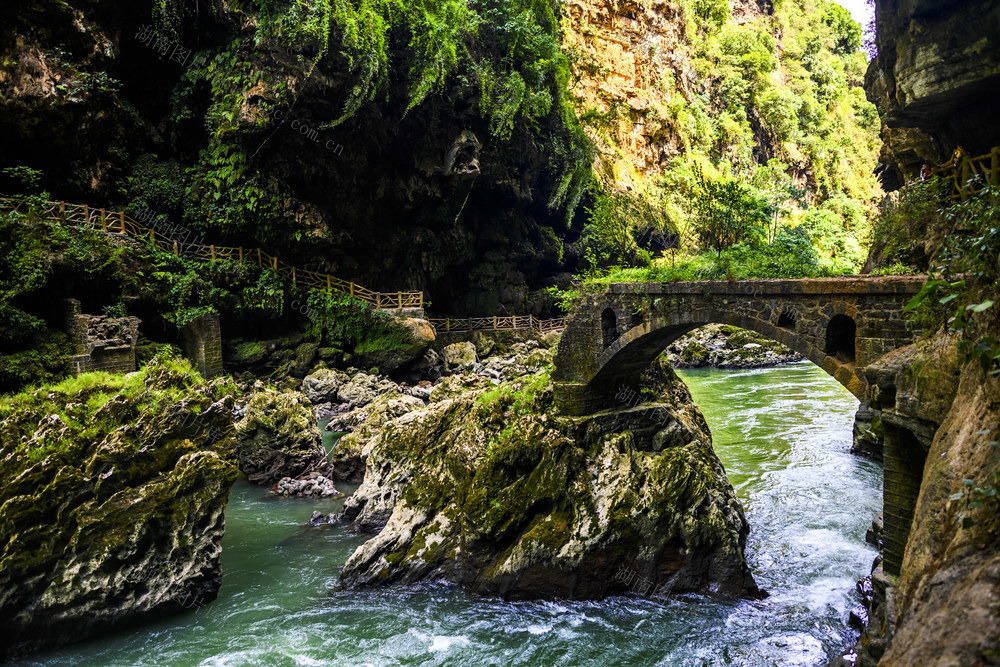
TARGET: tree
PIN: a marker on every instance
(846, 31)
(728, 212)
(608, 238)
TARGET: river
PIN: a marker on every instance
(783, 434)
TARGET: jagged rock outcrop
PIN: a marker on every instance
(278, 436)
(936, 80)
(936, 592)
(112, 500)
(361, 419)
(495, 491)
(348, 458)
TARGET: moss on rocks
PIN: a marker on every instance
(496, 491)
(112, 494)
(727, 346)
(278, 436)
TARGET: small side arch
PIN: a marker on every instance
(841, 333)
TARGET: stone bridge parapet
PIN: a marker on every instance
(840, 324)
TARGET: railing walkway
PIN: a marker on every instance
(961, 168)
(509, 323)
(116, 222)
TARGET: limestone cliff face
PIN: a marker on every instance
(423, 200)
(937, 587)
(625, 50)
(633, 59)
(56, 96)
(936, 81)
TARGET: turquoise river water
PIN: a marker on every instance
(783, 434)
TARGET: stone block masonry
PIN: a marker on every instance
(103, 343)
(841, 324)
(203, 344)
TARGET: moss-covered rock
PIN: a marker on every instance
(278, 437)
(458, 356)
(112, 499)
(390, 357)
(321, 385)
(496, 491)
(350, 455)
(726, 346)
(453, 386)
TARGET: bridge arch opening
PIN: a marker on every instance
(840, 338)
(609, 326)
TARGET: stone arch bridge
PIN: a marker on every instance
(840, 324)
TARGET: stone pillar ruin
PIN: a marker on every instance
(102, 343)
(203, 344)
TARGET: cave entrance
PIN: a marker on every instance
(840, 335)
(609, 326)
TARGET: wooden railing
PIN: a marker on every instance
(961, 168)
(116, 222)
(509, 323)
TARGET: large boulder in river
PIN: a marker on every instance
(421, 336)
(112, 498)
(278, 436)
(322, 384)
(495, 491)
(348, 458)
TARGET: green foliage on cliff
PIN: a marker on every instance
(961, 293)
(502, 56)
(340, 320)
(775, 135)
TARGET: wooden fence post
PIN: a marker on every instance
(177, 251)
(241, 254)
(399, 296)
(352, 289)
(212, 250)
(62, 210)
(121, 219)
(104, 221)
(274, 263)
(259, 261)
(293, 276)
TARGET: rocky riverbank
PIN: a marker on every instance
(725, 346)
(112, 498)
